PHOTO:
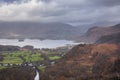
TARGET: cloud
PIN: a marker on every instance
(31, 10)
(107, 2)
(82, 12)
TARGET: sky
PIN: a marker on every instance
(76, 12)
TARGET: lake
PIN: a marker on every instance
(36, 43)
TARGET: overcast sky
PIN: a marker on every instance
(81, 12)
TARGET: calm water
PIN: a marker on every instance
(36, 43)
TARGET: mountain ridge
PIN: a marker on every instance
(94, 33)
(37, 30)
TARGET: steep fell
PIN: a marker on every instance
(87, 62)
(93, 34)
(114, 38)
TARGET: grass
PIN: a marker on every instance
(35, 57)
(20, 56)
(42, 68)
(12, 60)
(54, 57)
(2, 67)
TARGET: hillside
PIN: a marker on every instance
(37, 30)
(87, 62)
(17, 73)
(113, 38)
(94, 33)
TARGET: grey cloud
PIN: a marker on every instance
(68, 11)
(107, 2)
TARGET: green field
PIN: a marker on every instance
(20, 56)
(2, 67)
(38, 57)
(54, 57)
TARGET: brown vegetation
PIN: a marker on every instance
(114, 38)
(17, 73)
(87, 62)
(9, 48)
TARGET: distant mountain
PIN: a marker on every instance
(37, 30)
(94, 33)
(83, 28)
(87, 62)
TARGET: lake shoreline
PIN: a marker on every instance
(36, 43)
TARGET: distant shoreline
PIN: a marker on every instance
(36, 43)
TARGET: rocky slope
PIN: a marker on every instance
(87, 62)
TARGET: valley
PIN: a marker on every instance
(84, 60)
(28, 56)
(59, 39)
